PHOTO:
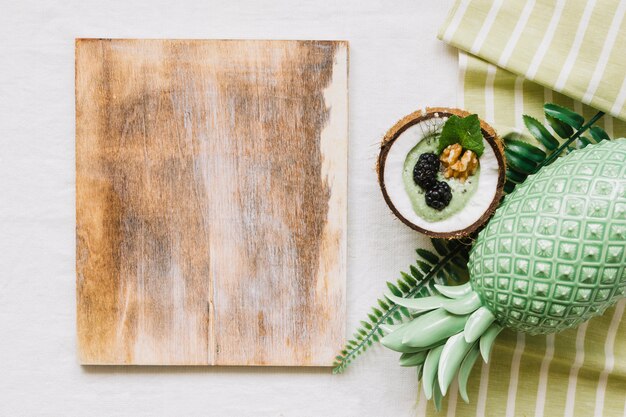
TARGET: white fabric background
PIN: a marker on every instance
(396, 66)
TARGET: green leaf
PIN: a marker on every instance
(408, 279)
(519, 163)
(563, 114)
(416, 273)
(598, 134)
(427, 255)
(464, 131)
(525, 150)
(584, 141)
(461, 273)
(515, 176)
(464, 254)
(424, 266)
(444, 276)
(459, 261)
(540, 133)
(513, 136)
(509, 186)
(560, 128)
(439, 246)
(394, 290)
(423, 293)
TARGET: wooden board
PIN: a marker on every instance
(211, 201)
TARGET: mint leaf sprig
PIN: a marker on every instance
(462, 130)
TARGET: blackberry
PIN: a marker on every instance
(429, 158)
(439, 196)
(425, 171)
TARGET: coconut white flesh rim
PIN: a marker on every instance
(477, 205)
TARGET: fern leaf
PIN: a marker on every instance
(427, 255)
(509, 186)
(417, 284)
(540, 133)
(560, 128)
(524, 159)
(440, 246)
(523, 149)
(517, 162)
(394, 290)
(459, 261)
(515, 176)
(416, 272)
(409, 279)
(564, 114)
(584, 141)
(425, 267)
(598, 134)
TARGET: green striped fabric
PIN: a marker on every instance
(575, 47)
(521, 54)
(502, 97)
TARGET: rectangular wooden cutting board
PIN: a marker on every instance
(211, 201)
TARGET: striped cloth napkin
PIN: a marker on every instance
(515, 56)
(574, 47)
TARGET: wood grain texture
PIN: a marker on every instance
(211, 201)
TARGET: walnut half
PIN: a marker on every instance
(458, 164)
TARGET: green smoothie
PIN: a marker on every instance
(461, 191)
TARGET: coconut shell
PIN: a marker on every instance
(431, 112)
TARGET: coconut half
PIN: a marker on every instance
(397, 144)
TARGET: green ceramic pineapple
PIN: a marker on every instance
(553, 256)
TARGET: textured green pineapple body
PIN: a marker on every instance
(554, 253)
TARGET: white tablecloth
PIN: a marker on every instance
(396, 66)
